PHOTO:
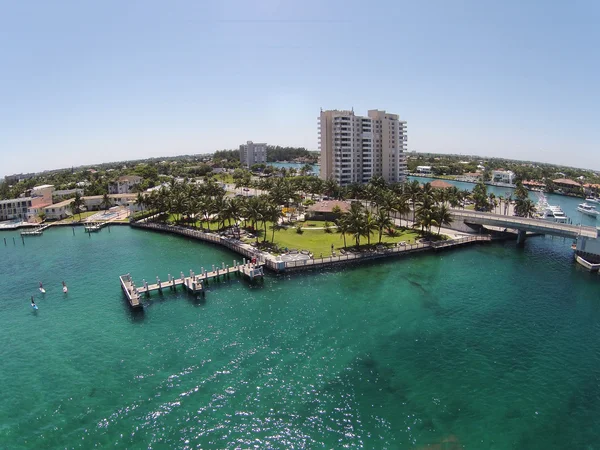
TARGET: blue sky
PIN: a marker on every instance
(91, 82)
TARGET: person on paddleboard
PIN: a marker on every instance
(33, 305)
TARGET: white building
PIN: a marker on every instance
(60, 194)
(355, 149)
(94, 202)
(124, 184)
(424, 170)
(27, 208)
(503, 176)
(59, 211)
(251, 153)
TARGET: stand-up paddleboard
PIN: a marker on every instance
(42, 290)
(65, 289)
(33, 305)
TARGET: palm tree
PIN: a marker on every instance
(369, 224)
(354, 218)
(272, 213)
(343, 228)
(413, 191)
(525, 207)
(77, 204)
(442, 217)
(105, 202)
(140, 200)
(382, 219)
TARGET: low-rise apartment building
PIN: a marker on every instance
(58, 211)
(124, 184)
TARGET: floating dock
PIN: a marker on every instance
(194, 283)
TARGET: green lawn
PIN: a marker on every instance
(317, 241)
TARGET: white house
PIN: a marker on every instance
(424, 170)
(59, 211)
(503, 176)
(124, 184)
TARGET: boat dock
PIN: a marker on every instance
(194, 283)
(35, 232)
(93, 227)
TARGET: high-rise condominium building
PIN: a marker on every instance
(251, 153)
(355, 149)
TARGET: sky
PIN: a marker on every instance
(91, 82)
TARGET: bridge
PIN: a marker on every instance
(524, 224)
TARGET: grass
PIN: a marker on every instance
(317, 241)
(308, 224)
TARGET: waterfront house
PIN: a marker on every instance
(424, 170)
(503, 176)
(567, 186)
(58, 211)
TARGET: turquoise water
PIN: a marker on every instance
(490, 347)
(297, 166)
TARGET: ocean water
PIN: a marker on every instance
(488, 347)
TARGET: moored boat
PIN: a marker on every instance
(587, 210)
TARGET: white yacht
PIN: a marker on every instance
(546, 211)
(592, 200)
(587, 209)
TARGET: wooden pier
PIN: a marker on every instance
(194, 283)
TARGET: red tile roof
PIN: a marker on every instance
(439, 184)
(566, 182)
(328, 205)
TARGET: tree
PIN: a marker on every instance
(369, 224)
(141, 200)
(480, 197)
(525, 208)
(442, 216)
(413, 191)
(106, 203)
(383, 221)
(343, 228)
(77, 204)
(355, 218)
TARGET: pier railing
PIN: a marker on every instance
(242, 249)
(277, 264)
(382, 252)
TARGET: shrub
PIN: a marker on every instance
(299, 229)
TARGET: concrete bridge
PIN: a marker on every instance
(523, 225)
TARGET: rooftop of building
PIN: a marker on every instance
(566, 182)
(20, 199)
(60, 204)
(43, 186)
(439, 184)
(127, 178)
(328, 205)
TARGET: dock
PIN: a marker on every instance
(35, 232)
(194, 283)
(130, 291)
(94, 227)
